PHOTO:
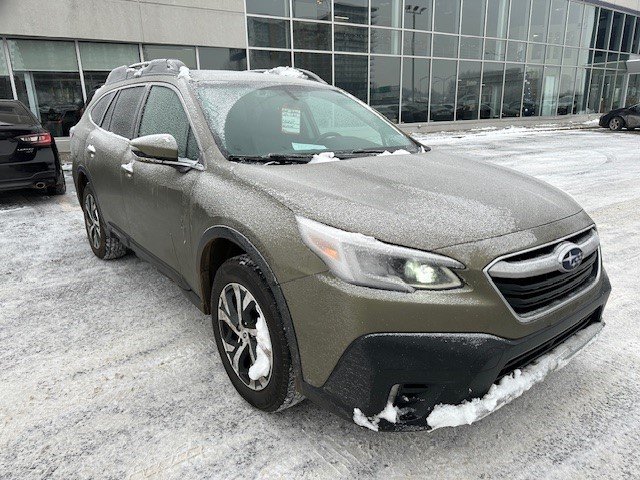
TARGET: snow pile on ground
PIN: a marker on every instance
(286, 72)
(262, 366)
(324, 157)
(390, 414)
(512, 386)
(184, 73)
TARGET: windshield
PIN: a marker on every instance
(255, 121)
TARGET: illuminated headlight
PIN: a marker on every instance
(363, 260)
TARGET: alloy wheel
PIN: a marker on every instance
(92, 220)
(615, 124)
(245, 336)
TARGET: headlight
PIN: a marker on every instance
(363, 260)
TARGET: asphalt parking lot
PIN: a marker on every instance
(108, 371)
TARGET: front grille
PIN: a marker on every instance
(526, 295)
(533, 282)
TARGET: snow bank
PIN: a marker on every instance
(514, 385)
(286, 72)
(390, 414)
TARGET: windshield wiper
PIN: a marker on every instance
(272, 157)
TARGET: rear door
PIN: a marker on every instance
(106, 151)
(633, 118)
(157, 196)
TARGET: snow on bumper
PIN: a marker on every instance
(513, 385)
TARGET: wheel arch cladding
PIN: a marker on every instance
(218, 244)
(83, 180)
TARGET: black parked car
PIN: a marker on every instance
(627, 117)
(28, 153)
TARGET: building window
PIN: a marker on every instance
(318, 63)
(443, 90)
(385, 40)
(415, 90)
(418, 14)
(497, 18)
(604, 28)
(98, 59)
(385, 86)
(351, 11)
(495, 49)
(473, 17)
(513, 83)
(574, 24)
(351, 39)
(491, 96)
(268, 32)
(312, 9)
(351, 74)
(218, 58)
(519, 19)
(469, 74)
(445, 46)
(539, 21)
(311, 36)
(417, 43)
(471, 48)
(557, 21)
(5, 82)
(277, 8)
(633, 90)
(550, 86)
(261, 59)
(446, 16)
(386, 13)
(566, 99)
(532, 94)
(627, 33)
(186, 55)
(48, 82)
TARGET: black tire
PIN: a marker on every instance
(60, 187)
(616, 124)
(104, 246)
(279, 392)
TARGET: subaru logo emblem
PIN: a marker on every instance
(569, 257)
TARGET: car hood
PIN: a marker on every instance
(425, 201)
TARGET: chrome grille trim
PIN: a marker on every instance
(543, 264)
(531, 316)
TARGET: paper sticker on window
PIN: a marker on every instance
(291, 120)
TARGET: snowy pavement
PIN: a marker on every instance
(107, 370)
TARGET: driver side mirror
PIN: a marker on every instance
(162, 146)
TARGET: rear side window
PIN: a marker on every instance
(163, 113)
(97, 111)
(15, 113)
(124, 114)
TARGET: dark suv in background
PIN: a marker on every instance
(28, 153)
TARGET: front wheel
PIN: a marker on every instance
(250, 336)
(616, 124)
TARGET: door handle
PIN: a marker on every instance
(127, 167)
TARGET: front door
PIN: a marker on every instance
(158, 196)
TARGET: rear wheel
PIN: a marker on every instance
(104, 245)
(60, 187)
(616, 124)
(250, 336)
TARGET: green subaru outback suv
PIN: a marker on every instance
(339, 259)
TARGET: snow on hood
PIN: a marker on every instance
(514, 385)
(426, 201)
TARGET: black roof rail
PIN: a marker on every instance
(310, 75)
(161, 66)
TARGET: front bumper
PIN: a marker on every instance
(417, 371)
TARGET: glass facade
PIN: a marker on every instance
(444, 60)
(414, 60)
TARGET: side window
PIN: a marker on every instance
(124, 114)
(97, 111)
(108, 114)
(163, 113)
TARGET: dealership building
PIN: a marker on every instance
(416, 61)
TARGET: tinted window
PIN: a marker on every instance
(163, 113)
(268, 32)
(352, 11)
(311, 36)
(97, 112)
(15, 114)
(124, 115)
